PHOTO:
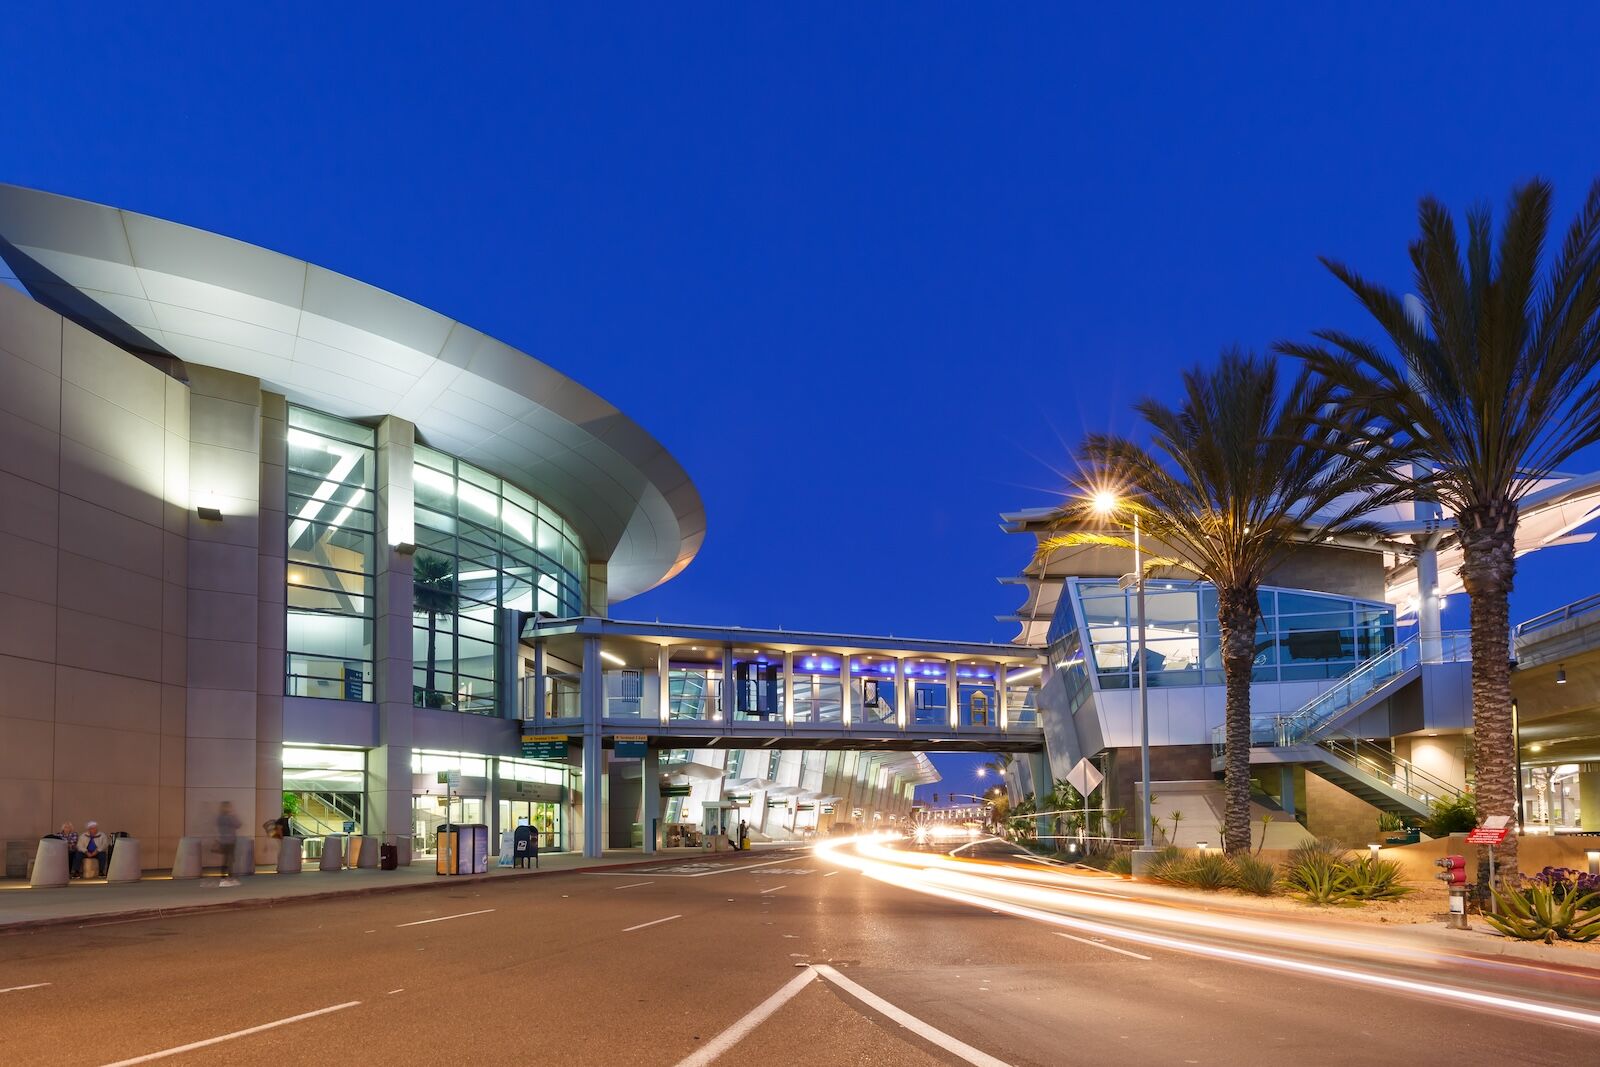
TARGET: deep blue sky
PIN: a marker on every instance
(866, 274)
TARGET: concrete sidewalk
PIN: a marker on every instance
(95, 902)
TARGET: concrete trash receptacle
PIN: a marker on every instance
(124, 861)
(291, 855)
(364, 852)
(186, 864)
(50, 863)
(332, 853)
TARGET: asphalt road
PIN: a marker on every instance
(657, 965)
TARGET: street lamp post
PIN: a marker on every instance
(1106, 503)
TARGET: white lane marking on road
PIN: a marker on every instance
(774, 889)
(830, 874)
(923, 1030)
(749, 1021)
(392, 992)
(442, 918)
(632, 885)
(20, 988)
(652, 922)
(164, 1053)
(1100, 944)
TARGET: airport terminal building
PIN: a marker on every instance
(269, 532)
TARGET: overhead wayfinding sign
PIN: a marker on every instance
(544, 746)
(631, 746)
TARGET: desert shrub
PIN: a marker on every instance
(1209, 870)
(1250, 875)
(1317, 875)
(1534, 913)
(1376, 880)
(1389, 822)
(1165, 863)
(1452, 816)
(1121, 863)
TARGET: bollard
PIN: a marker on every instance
(125, 861)
(50, 863)
(291, 855)
(186, 864)
(332, 853)
(244, 856)
(364, 852)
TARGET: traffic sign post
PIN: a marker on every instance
(1491, 833)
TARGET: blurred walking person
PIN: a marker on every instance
(227, 839)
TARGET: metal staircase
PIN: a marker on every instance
(1309, 736)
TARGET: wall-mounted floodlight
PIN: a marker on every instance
(1561, 675)
(405, 548)
(208, 513)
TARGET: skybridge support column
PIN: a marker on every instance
(1043, 784)
(1286, 791)
(788, 689)
(952, 695)
(1000, 709)
(901, 694)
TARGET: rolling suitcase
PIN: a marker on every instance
(388, 857)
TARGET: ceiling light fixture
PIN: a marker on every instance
(1561, 675)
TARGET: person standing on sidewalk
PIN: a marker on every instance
(227, 839)
(69, 834)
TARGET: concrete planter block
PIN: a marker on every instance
(291, 855)
(364, 852)
(125, 861)
(50, 863)
(332, 853)
(244, 856)
(186, 864)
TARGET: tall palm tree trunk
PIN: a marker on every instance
(1488, 542)
(1236, 615)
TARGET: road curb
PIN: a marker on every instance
(24, 926)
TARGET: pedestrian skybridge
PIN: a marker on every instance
(691, 687)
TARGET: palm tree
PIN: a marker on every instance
(1238, 477)
(1492, 388)
(433, 593)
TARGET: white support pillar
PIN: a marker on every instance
(536, 711)
(1428, 632)
(901, 694)
(846, 691)
(729, 701)
(664, 682)
(788, 688)
(952, 695)
(1000, 697)
(592, 700)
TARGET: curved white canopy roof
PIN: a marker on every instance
(345, 347)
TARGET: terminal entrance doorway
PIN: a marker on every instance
(545, 819)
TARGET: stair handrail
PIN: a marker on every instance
(1405, 776)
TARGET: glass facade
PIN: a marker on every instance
(1301, 635)
(332, 471)
(482, 544)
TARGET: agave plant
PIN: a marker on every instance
(1248, 874)
(1536, 913)
(1319, 876)
(1376, 880)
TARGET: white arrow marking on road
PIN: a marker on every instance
(229, 1037)
(931, 1034)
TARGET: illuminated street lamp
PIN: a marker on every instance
(1106, 503)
